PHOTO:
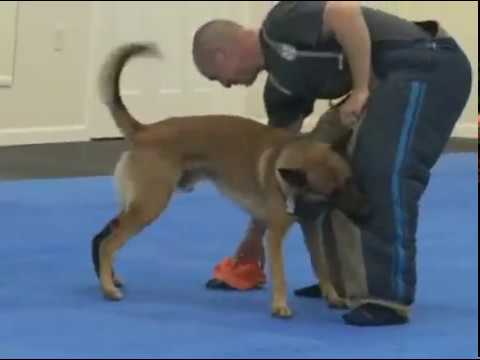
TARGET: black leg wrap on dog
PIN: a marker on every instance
(97, 241)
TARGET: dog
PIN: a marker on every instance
(261, 168)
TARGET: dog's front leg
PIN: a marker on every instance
(316, 248)
(277, 231)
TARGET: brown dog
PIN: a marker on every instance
(259, 167)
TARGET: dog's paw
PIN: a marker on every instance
(281, 311)
(338, 305)
(113, 294)
(334, 301)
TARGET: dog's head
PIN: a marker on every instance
(312, 169)
(312, 172)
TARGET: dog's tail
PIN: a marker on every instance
(109, 83)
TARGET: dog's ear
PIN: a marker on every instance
(340, 145)
(294, 177)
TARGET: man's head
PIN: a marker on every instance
(226, 52)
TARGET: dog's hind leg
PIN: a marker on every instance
(142, 212)
(145, 195)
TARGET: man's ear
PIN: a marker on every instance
(294, 177)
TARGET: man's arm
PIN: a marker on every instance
(344, 20)
(285, 111)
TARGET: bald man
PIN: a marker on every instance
(326, 50)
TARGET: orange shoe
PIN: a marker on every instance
(237, 275)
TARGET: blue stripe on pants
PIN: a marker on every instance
(417, 93)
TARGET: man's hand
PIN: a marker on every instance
(354, 107)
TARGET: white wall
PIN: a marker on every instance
(51, 51)
(8, 27)
(46, 101)
(153, 89)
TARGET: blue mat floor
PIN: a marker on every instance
(51, 306)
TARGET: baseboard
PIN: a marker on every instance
(46, 135)
(308, 123)
(462, 130)
(43, 135)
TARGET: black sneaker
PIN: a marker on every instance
(312, 291)
(214, 284)
(374, 315)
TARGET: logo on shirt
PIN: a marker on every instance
(288, 52)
